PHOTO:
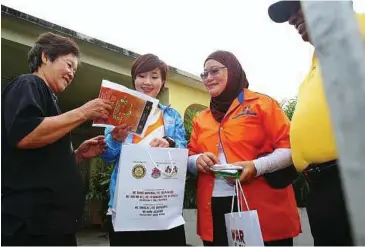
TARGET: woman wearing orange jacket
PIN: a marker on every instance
(248, 129)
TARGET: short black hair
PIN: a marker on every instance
(53, 46)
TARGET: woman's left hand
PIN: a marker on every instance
(248, 171)
(91, 148)
(159, 142)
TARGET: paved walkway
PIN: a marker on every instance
(96, 238)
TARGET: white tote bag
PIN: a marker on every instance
(149, 193)
(243, 227)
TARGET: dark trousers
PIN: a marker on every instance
(22, 238)
(326, 208)
(172, 237)
(222, 206)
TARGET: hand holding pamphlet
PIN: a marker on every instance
(128, 107)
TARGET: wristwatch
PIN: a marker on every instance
(171, 141)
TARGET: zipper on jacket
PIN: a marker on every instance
(225, 116)
(219, 131)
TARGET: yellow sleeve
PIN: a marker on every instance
(361, 21)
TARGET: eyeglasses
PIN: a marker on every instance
(212, 72)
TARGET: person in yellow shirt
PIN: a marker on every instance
(313, 144)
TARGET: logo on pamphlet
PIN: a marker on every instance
(155, 173)
(138, 171)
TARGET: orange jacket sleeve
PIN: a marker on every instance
(193, 144)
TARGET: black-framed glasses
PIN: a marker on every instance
(213, 72)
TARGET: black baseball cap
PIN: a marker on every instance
(282, 10)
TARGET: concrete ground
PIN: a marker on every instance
(92, 238)
(96, 238)
(305, 238)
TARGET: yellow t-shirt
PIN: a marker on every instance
(311, 133)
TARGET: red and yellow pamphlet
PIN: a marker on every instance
(128, 107)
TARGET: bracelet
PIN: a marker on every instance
(171, 141)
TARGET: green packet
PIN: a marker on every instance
(227, 174)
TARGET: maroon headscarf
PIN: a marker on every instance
(236, 82)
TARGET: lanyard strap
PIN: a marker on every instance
(171, 173)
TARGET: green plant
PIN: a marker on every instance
(288, 107)
(191, 180)
(99, 186)
(188, 121)
(190, 192)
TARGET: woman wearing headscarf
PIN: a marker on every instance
(165, 129)
(246, 129)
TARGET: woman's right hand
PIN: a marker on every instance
(205, 161)
(96, 108)
(120, 132)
